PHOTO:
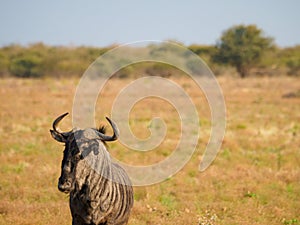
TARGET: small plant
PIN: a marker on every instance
(296, 127)
(226, 153)
(192, 173)
(140, 194)
(209, 218)
(291, 221)
(241, 126)
(168, 200)
(250, 195)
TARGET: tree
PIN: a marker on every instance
(242, 47)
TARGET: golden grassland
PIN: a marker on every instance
(255, 178)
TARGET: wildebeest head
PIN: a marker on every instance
(78, 144)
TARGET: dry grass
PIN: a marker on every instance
(254, 180)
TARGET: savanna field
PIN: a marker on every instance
(255, 178)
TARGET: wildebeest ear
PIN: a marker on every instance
(58, 136)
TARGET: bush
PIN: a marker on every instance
(26, 66)
(4, 63)
(294, 66)
(159, 69)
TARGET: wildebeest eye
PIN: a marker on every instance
(78, 157)
(95, 147)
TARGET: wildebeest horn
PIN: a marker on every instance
(115, 130)
(59, 136)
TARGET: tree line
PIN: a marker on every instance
(242, 49)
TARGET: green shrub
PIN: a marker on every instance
(294, 66)
(4, 63)
(26, 66)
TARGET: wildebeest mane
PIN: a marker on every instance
(102, 129)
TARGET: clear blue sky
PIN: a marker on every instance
(101, 23)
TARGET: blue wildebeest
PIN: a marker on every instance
(100, 190)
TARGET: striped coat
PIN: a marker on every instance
(100, 190)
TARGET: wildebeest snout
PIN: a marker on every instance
(64, 185)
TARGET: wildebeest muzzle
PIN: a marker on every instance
(65, 185)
